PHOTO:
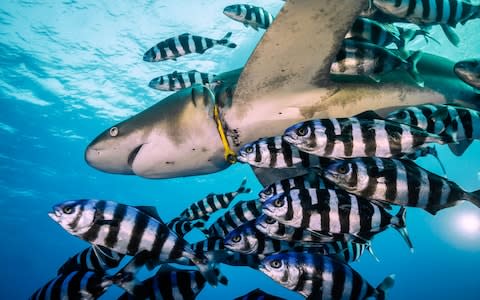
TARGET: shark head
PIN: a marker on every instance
(175, 137)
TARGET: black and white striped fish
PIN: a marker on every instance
(203, 208)
(258, 294)
(367, 59)
(178, 80)
(97, 259)
(249, 15)
(459, 123)
(74, 285)
(359, 137)
(274, 152)
(397, 181)
(447, 13)
(170, 284)
(335, 212)
(180, 226)
(127, 230)
(320, 277)
(381, 34)
(310, 180)
(469, 71)
(184, 44)
(239, 214)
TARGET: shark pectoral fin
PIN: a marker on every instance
(282, 61)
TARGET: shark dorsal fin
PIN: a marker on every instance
(297, 50)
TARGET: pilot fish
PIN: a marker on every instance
(180, 226)
(239, 214)
(170, 284)
(316, 276)
(310, 180)
(203, 208)
(184, 44)
(446, 13)
(459, 123)
(258, 294)
(177, 80)
(469, 71)
(91, 260)
(127, 230)
(334, 212)
(74, 285)
(249, 15)
(397, 181)
(358, 137)
(360, 58)
(274, 152)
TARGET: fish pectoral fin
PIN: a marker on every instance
(451, 35)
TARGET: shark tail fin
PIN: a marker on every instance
(384, 286)
(398, 222)
(412, 68)
(225, 41)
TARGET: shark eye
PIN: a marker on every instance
(67, 210)
(236, 239)
(278, 203)
(343, 169)
(113, 131)
(275, 264)
(270, 220)
(302, 130)
(249, 149)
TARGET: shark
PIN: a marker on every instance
(286, 80)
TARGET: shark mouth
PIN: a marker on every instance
(133, 155)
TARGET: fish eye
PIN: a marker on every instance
(113, 131)
(343, 169)
(302, 130)
(67, 210)
(278, 203)
(270, 220)
(268, 191)
(249, 149)
(236, 239)
(275, 264)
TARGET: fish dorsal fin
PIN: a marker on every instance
(368, 114)
(151, 211)
(296, 52)
(164, 268)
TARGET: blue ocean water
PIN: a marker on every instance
(70, 69)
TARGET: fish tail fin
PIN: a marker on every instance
(398, 222)
(201, 226)
(242, 189)
(474, 197)
(225, 41)
(384, 286)
(451, 35)
(126, 277)
(210, 272)
(412, 67)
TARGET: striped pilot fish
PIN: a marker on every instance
(469, 72)
(366, 59)
(180, 226)
(239, 214)
(397, 181)
(249, 15)
(459, 123)
(127, 230)
(358, 137)
(203, 208)
(381, 34)
(310, 180)
(97, 259)
(177, 80)
(447, 13)
(258, 294)
(316, 276)
(274, 152)
(74, 285)
(184, 44)
(334, 212)
(169, 284)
